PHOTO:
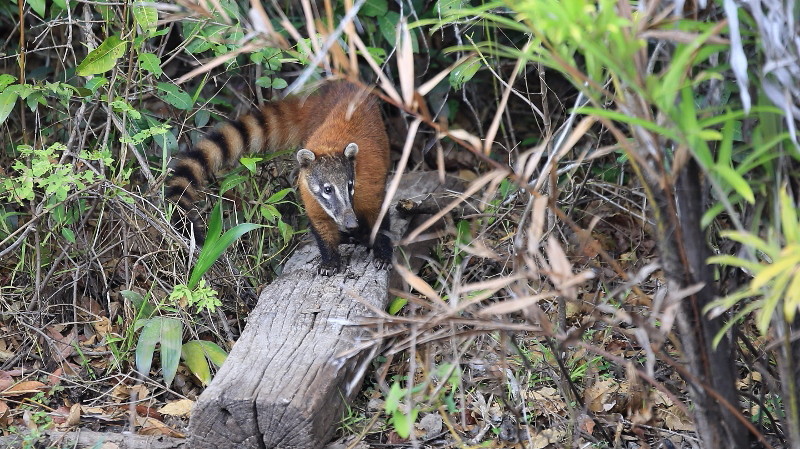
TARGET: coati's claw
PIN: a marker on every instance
(382, 264)
(328, 269)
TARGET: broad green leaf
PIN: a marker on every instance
(146, 346)
(176, 96)
(171, 330)
(404, 423)
(231, 182)
(6, 80)
(38, 6)
(286, 231)
(103, 58)
(269, 212)
(192, 353)
(396, 305)
(151, 63)
(393, 398)
(142, 307)
(250, 163)
(7, 100)
(146, 17)
(374, 8)
(68, 234)
(215, 354)
(464, 72)
(279, 83)
(278, 196)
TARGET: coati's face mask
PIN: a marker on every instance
(331, 180)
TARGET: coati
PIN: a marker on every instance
(344, 162)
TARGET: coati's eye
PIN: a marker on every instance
(327, 190)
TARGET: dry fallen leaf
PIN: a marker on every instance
(181, 407)
(74, 417)
(600, 396)
(152, 426)
(5, 380)
(28, 386)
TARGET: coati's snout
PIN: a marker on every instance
(331, 179)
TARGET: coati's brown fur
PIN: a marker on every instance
(343, 139)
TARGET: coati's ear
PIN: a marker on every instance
(351, 150)
(305, 157)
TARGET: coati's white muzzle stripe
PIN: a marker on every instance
(338, 206)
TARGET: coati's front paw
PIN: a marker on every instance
(382, 252)
(382, 263)
(329, 268)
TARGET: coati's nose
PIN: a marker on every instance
(350, 221)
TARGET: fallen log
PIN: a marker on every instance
(282, 385)
(84, 439)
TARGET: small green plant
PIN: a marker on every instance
(216, 243)
(776, 279)
(45, 177)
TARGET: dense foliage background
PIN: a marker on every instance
(621, 271)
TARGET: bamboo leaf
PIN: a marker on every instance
(195, 359)
(171, 330)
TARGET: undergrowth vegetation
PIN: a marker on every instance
(615, 263)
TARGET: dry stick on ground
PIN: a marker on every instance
(284, 383)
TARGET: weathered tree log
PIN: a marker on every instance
(81, 439)
(283, 386)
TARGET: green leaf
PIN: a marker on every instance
(215, 354)
(8, 99)
(387, 23)
(393, 398)
(192, 353)
(142, 307)
(278, 196)
(464, 72)
(37, 6)
(103, 58)
(171, 330)
(269, 212)
(146, 17)
(213, 249)
(151, 63)
(148, 339)
(404, 423)
(6, 80)
(176, 96)
(68, 234)
(286, 231)
(214, 225)
(231, 182)
(201, 118)
(374, 8)
(736, 181)
(250, 163)
(279, 83)
(789, 222)
(397, 304)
